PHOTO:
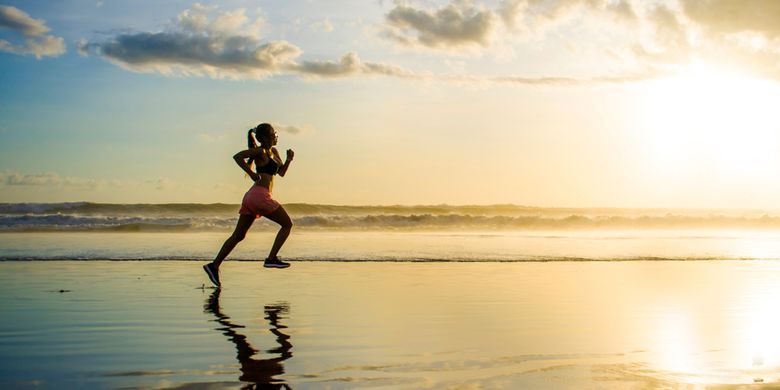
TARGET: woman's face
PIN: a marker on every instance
(270, 138)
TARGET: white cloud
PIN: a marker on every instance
(36, 42)
(324, 25)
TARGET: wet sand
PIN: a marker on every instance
(326, 325)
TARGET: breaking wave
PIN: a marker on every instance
(85, 216)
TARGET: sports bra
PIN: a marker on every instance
(271, 167)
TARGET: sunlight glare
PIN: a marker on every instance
(706, 119)
(760, 339)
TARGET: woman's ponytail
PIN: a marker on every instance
(251, 144)
(262, 130)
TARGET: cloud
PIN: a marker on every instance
(172, 53)
(454, 25)
(348, 65)
(292, 129)
(664, 37)
(628, 40)
(351, 65)
(165, 184)
(209, 138)
(735, 16)
(225, 45)
(648, 74)
(199, 43)
(50, 179)
(36, 42)
(38, 179)
(17, 20)
(635, 36)
(324, 25)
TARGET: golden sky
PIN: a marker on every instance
(536, 102)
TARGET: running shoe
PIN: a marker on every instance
(275, 263)
(213, 273)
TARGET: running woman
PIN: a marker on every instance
(258, 201)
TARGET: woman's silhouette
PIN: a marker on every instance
(260, 372)
(257, 201)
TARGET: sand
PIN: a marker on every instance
(330, 325)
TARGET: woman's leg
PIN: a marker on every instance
(242, 226)
(280, 216)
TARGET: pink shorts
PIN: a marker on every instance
(258, 202)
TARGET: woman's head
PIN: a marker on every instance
(266, 134)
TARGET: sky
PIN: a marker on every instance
(570, 103)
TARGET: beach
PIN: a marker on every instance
(383, 325)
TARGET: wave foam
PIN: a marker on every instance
(84, 216)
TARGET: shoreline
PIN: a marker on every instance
(421, 261)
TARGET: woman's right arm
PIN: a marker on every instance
(243, 155)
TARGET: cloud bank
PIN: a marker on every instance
(36, 41)
(50, 179)
(203, 41)
(641, 36)
(13, 179)
(629, 40)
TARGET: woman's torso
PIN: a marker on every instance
(267, 169)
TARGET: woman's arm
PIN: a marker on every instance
(243, 155)
(283, 168)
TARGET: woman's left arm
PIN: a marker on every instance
(283, 168)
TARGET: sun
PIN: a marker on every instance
(713, 121)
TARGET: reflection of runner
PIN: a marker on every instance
(260, 372)
(257, 201)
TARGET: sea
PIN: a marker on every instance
(427, 233)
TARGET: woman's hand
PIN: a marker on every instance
(255, 177)
(290, 154)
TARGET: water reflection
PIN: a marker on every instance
(259, 372)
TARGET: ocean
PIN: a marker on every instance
(435, 297)
(95, 231)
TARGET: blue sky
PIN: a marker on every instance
(539, 102)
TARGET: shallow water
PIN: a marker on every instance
(108, 324)
(565, 245)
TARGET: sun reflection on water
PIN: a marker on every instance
(759, 332)
(730, 336)
(675, 341)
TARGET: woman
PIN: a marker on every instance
(257, 201)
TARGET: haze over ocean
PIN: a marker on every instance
(92, 231)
